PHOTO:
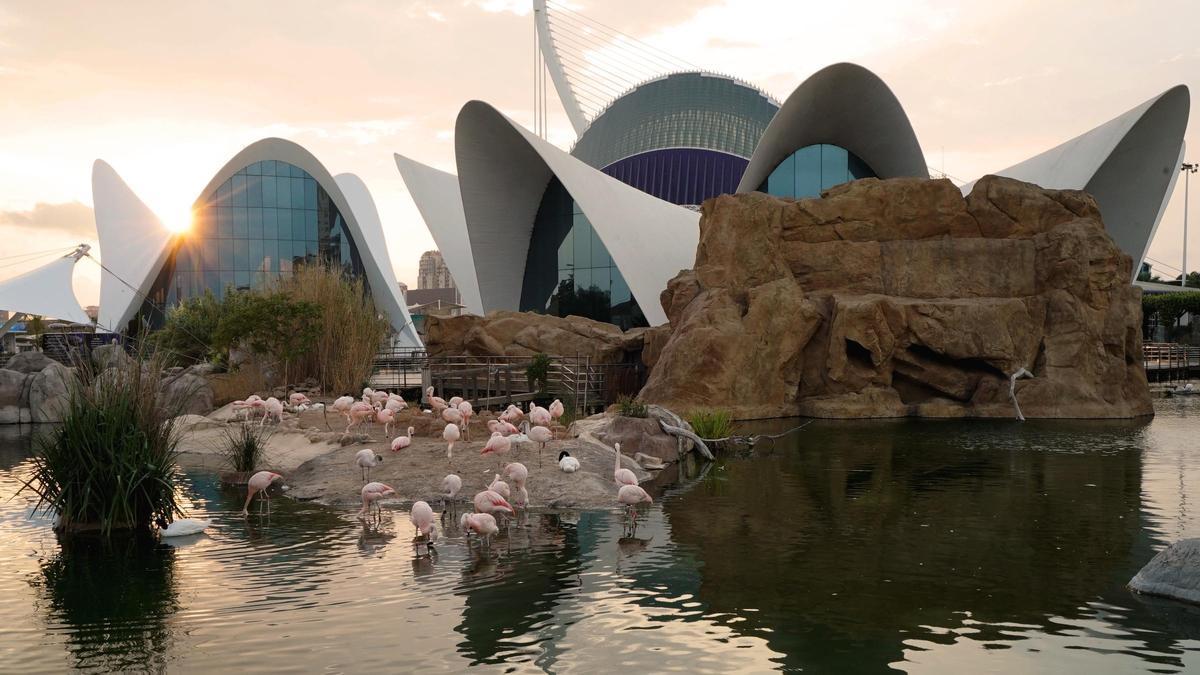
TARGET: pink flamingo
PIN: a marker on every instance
(453, 416)
(437, 403)
(517, 473)
(395, 403)
(520, 498)
(542, 435)
(556, 411)
(500, 487)
(496, 445)
(482, 524)
(451, 435)
(622, 476)
(512, 414)
(296, 399)
(272, 409)
(386, 417)
(259, 482)
(342, 405)
(402, 442)
(492, 503)
(451, 485)
(632, 495)
(539, 415)
(464, 408)
(372, 493)
(359, 412)
(454, 401)
(422, 518)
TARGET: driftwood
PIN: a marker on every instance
(680, 432)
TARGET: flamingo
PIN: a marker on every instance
(465, 409)
(296, 399)
(379, 397)
(494, 426)
(622, 476)
(512, 414)
(500, 487)
(395, 404)
(342, 405)
(450, 434)
(517, 473)
(252, 406)
(402, 442)
(567, 463)
(373, 492)
(181, 528)
(272, 409)
(632, 495)
(492, 503)
(367, 460)
(541, 435)
(496, 445)
(453, 416)
(451, 484)
(437, 403)
(454, 401)
(259, 482)
(386, 417)
(482, 524)
(359, 413)
(556, 411)
(520, 498)
(421, 517)
(539, 415)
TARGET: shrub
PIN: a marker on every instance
(111, 463)
(270, 324)
(712, 424)
(631, 407)
(538, 372)
(187, 335)
(245, 447)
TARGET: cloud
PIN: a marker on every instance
(71, 218)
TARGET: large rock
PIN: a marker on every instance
(529, 333)
(110, 356)
(13, 408)
(1173, 573)
(49, 391)
(887, 298)
(28, 362)
(187, 395)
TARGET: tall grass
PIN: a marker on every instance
(712, 424)
(351, 330)
(629, 406)
(244, 447)
(111, 463)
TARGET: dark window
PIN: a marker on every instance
(812, 169)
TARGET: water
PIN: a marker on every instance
(931, 547)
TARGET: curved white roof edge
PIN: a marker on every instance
(372, 248)
(378, 269)
(45, 291)
(503, 172)
(845, 105)
(134, 245)
(570, 104)
(435, 192)
(1129, 164)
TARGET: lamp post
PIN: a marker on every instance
(1188, 170)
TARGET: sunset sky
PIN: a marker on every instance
(168, 92)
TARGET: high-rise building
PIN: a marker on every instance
(432, 272)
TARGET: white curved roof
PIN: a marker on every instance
(134, 244)
(436, 195)
(45, 291)
(503, 172)
(1129, 164)
(844, 105)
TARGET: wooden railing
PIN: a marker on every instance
(1169, 360)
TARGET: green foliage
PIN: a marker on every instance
(111, 463)
(538, 372)
(1168, 308)
(36, 326)
(268, 323)
(712, 424)
(187, 335)
(245, 447)
(629, 406)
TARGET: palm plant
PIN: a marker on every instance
(111, 463)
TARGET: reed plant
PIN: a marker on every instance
(110, 464)
(245, 445)
(351, 330)
(712, 424)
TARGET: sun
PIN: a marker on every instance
(178, 224)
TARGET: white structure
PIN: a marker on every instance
(136, 246)
(503, 173)
(1129, 164)
(45, 291)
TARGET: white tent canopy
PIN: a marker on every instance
(45, 291)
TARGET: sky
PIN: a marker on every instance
(167, 92)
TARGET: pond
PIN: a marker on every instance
(918, 546)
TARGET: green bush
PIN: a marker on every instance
(631, 407)
(245, 447)
(712, 424)
(111, 463)
(538, 372)
(187, 335)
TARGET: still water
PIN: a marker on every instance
(929, 547)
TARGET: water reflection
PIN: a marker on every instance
(112, 599)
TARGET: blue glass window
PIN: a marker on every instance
(813, 169)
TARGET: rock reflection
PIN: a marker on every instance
(112, 600)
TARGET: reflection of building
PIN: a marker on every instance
(270, 208)
(525, 226)
(432, 272)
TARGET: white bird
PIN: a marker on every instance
(273, 408)
(622, 476)
(500, 487)
(632, 495)
(183, 527)
(367, 460)
(567, 463)
(450, 434)
(401, 442)
(451, 484)
(421, 517)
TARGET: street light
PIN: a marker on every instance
(1188, 170)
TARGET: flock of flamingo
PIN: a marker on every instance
(498, 501)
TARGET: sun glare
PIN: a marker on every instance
(179, 224)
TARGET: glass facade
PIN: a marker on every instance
(569, 270)
(685, 176)
(253, 229)
(811, 169)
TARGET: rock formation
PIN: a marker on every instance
(528, 333)
(1173, 573)
(887, 298)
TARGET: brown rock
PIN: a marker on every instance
(899, 297)
(529, 333)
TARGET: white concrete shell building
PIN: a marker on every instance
(270, 207)
(519, 201)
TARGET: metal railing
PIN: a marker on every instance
(1169, 361)
(492, 382)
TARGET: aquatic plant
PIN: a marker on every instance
(712, 424)
(245, 446)
(111, 463)
(629, 406)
